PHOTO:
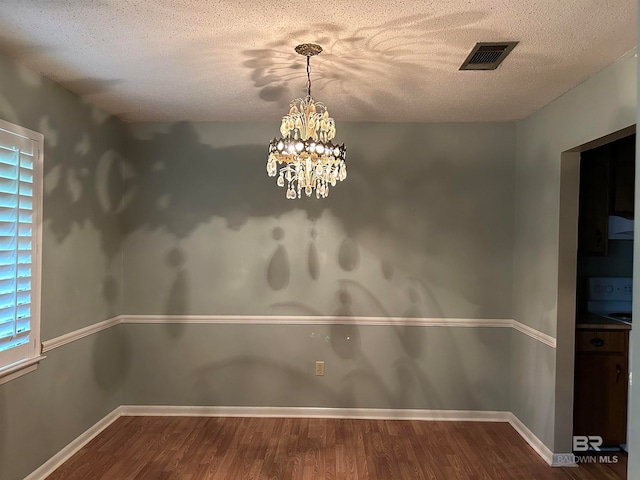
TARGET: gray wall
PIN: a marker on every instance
(72, 389)
(366, 367)
(82, 272)
(600, 106)
(421, 227)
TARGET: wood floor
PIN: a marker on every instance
(192, 448)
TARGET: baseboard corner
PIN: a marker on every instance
(48, 467)
(534, 442)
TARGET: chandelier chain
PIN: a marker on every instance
(308, 76)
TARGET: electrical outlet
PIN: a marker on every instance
(320, 368)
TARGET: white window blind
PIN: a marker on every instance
(20, 213)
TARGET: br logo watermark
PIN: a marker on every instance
(584, 443)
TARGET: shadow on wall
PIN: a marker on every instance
(177, 302)
(433, 215)
(83, 166)
(179, 183)
(242, 376)
(240, 380)
(441, 377)
(345, 340)
(83, 151)
(414, 209)
(83, 161)
(111, 359)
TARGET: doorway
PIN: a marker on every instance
(603, 292)
(573, 280)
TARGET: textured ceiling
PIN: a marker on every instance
(171, 60)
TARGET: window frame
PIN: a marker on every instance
(30, 362)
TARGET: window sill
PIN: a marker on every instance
(15, 370)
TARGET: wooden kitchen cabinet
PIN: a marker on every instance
(607, 183)
(623, 177)
(601, 383)
(593, 217)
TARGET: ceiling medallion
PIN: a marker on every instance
(305, 159)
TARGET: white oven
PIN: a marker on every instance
(611, 297)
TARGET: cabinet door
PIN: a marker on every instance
(600, 403)
(624, 177)
(594, 201)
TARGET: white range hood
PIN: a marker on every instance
(620, 228)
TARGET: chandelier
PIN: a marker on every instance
(305, 158)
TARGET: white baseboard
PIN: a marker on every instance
(535, 443)
(361, 413)
(48, 467)
(297, 412)
(314, 412)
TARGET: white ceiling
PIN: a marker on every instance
(171, 60)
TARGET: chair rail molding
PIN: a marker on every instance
(56, 342)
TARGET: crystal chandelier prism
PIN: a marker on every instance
(305, 158)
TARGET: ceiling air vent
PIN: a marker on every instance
(487, 55)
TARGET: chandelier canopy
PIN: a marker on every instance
(305, 158)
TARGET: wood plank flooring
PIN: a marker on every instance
(192, 448)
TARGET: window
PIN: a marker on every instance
(20, 239)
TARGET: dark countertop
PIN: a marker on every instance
(593, 321)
